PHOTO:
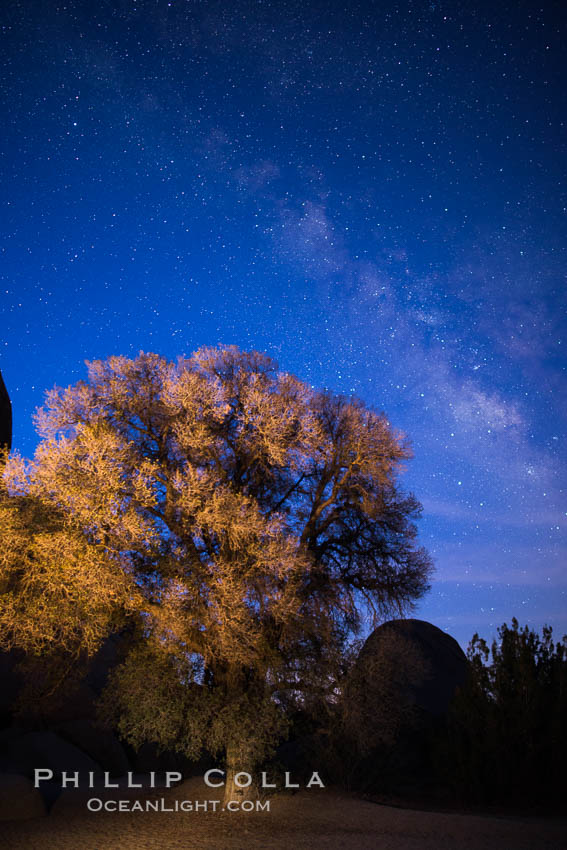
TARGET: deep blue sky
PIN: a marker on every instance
(372, 193)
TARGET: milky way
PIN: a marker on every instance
(372, 193)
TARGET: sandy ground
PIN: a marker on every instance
(307, 819)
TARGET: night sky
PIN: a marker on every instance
(372, 193)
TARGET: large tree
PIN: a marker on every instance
(240, 524)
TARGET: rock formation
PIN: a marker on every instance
(445, 662)
(5, 417)
(401, 686)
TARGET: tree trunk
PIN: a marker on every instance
(239, 766)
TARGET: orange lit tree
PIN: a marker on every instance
(239, 523)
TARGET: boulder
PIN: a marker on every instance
(8, 743)
(401, 686)
(70, 714)
(24, 753)
(19, 800)
(445, 663)
(5, 417)
(100, 744)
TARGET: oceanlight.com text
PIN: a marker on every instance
(95, 804)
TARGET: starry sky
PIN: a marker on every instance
(371, 192)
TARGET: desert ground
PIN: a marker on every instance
(308, 819)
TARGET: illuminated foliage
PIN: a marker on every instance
(240, 522)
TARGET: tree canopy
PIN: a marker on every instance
(239, 524)
(507, 741)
